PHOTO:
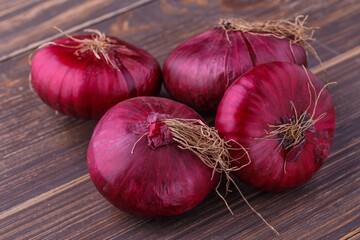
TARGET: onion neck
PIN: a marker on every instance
(158, 133)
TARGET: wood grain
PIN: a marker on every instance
(45, 191)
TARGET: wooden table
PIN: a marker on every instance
(45, 190)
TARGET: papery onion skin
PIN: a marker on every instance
(159, 182)
(83, 86)
(261, 97)
(200, 69)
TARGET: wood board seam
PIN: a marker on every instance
(336, 60)
(79, 27)
(352, 235)
(32, 201)
(355, 236)
(344, 149)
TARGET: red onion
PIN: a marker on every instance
(83, 76)
(159, 178)
(199, 70)
(285, 118)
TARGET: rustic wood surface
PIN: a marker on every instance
(45, 190)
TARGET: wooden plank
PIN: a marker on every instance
(26, 26)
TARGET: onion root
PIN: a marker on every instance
(292, 130)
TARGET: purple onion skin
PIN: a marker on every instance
(199, 70)
(83, 86)
(261, 97)
(159, 182)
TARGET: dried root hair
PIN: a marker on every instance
(295, 30)
(293, 131)
(100, 45)
(205, 142)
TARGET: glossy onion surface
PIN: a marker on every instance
(80, 85)
(159, 178)
(199, 70)
(263, 96)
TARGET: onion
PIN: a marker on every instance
(154, 157)
(199, 70)
(83, 76)
(135, 161)
(285, 118)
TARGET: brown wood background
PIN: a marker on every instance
(45, 190)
